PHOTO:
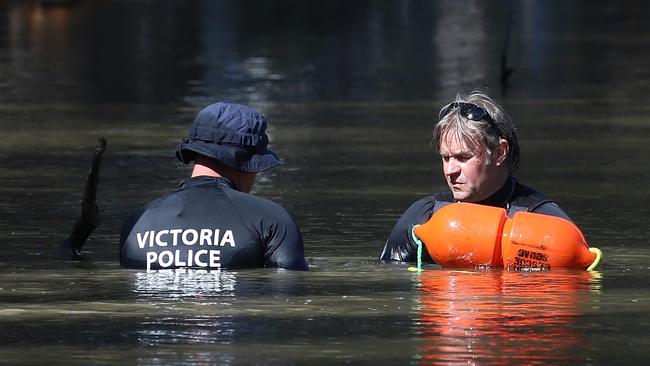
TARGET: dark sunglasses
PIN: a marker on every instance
(467, 110)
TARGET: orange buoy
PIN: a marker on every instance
(463, 235)
(533, 240)
(466, 235)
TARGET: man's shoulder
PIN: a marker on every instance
(188, 196)
(532, 200)
(423, 203)
(251, 201)
(426, 206)
(528, 198)
(524, 189)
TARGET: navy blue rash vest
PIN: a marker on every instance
(513, 196)
(207, 224)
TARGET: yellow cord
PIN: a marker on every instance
(596, 262)
(419, 243)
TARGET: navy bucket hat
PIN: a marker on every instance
(231, 133)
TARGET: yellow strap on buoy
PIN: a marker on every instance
(596, 262)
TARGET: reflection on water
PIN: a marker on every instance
(177, 284)
(501, 317)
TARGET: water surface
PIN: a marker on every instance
(351, 90)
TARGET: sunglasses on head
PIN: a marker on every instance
(467, 110)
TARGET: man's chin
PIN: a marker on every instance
(468, 197)
(460, 196)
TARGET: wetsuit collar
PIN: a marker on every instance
(502, 197)
(204, 179)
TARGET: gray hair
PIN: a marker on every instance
(479, 134)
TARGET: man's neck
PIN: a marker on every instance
(242, 181)
(203, 170)
(501, 197)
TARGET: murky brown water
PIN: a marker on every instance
(351, 90)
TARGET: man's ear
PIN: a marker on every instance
(501, 152)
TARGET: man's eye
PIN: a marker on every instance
(445, 158)
(463, 158)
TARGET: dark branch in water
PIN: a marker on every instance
(89, 218)
(505, 70)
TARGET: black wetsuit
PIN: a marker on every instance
(208, 224)
(513, 196)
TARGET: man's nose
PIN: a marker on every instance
(451, 167)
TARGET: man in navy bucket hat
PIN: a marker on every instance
(232, 133)
(211, 221)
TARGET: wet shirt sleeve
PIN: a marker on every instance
(277, 232)
(284, 247)
(400, 245)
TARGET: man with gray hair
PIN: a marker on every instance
(477, 142)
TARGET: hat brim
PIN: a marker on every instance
(232, 155)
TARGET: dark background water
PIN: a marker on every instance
(351, 90)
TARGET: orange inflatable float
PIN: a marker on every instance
(466, 235)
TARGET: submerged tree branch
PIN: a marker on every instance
(89, 218)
